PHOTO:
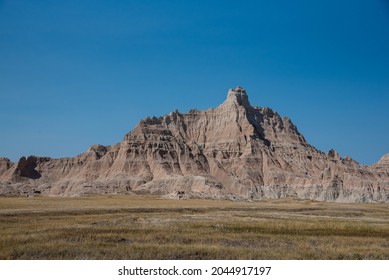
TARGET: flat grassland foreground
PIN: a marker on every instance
(146, 227)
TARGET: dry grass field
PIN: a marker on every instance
(144, 227)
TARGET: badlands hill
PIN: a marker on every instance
(235, 151)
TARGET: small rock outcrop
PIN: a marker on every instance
(382, 165)
(234, 151)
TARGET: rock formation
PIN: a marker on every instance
(382, 165)
(235, 151)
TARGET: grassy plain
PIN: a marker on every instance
(144, 227)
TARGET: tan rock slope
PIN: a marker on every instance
(235, 151)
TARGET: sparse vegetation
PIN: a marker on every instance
(144, 227)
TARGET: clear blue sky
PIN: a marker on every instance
(76, 73)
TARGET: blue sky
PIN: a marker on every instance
(76, 73)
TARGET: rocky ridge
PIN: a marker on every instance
(234, 151)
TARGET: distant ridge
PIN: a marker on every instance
(235, 151)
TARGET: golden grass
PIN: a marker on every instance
(145, 227)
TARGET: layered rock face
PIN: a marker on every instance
(382, 165)
(235, 151)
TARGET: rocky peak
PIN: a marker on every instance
(384, 159)
(26, 168)
(334, 155)
(5, 164)
(382, 164)
(97, 150)
(238, 96)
